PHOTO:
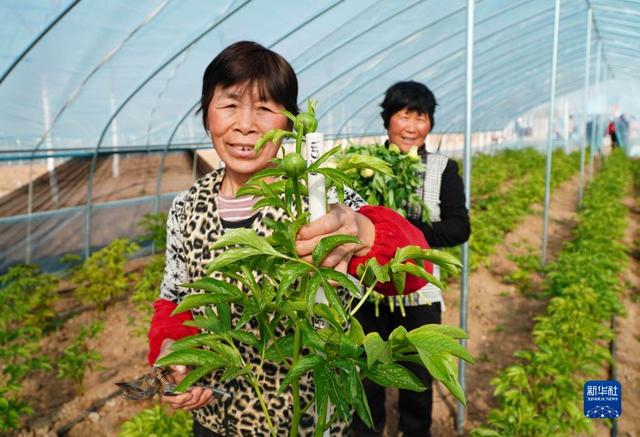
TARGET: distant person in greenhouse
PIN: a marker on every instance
(244, 89)
(408, 115)
(612, 133)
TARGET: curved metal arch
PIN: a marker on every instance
(126, 101)
(195, 105)
(488, 106)
(385, 48)
(8, 71)
(37, 39)
(490, 60)
(389, 46)
(441, 41)
(354, 36)
(110, 55)
(481, 83)
(368, 102)
(527, 94)
(488, 86)
(513, 63)
(565, 88)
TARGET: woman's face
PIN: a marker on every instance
(237, 118)
(408, 128)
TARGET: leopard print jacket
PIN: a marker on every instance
(193, 226)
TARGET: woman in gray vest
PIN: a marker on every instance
(407, 112)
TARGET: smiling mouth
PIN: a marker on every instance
(242, 147)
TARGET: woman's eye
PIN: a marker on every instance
(265, 108)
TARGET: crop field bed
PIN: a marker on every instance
(505, 295)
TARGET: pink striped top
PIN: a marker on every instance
(233, 209)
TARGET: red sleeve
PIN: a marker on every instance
(392, 232)
(164, 325)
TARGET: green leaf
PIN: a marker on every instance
(436, 342)
(302, 366)
(264, 139)
(399, 279)
(325, 312)
(282, 344)
(327, 244)
(393, 375)
(333, 299)
(357, 161)
(289, 273)
(312, 289)
(355, 332)
(247, 238)
(273, 201)
(450, 331)
(376, 349)
(341, 399)
(267, 172)
(290, 306)
(233, 372)
(250, 310)
(374, 272)
(358, 398)
(191, 342)
(295, 226)
(418, 271)
(231, 256)
(289, 115)
(218, 287)
(190, 357)
(313, 167)
(343, 280)
(348, 347)
(194, 376)
(224, 315)
(245, 337)
(310, 337)
(335, 175)
(440, 369)
(198, 300)
(398, 336)
(228, 354)
(322, 382)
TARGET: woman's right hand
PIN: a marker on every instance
(195, 397)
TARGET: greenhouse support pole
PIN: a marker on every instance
(594, 123)
(587, 69)
(466, 164)
(552, 98)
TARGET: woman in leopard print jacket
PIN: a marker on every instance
(244, 89)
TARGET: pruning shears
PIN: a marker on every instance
(155, 383)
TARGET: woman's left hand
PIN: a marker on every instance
(341, 220)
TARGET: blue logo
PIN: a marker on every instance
(602, 399)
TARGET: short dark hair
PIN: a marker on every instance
(414, 96)
(249, 62)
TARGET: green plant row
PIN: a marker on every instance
(26, 309)
(542, 395)
(157, 422)
(496, 211)
(27, 298)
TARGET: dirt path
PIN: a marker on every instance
(123, 351)
(628, 330)
(500, 318)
